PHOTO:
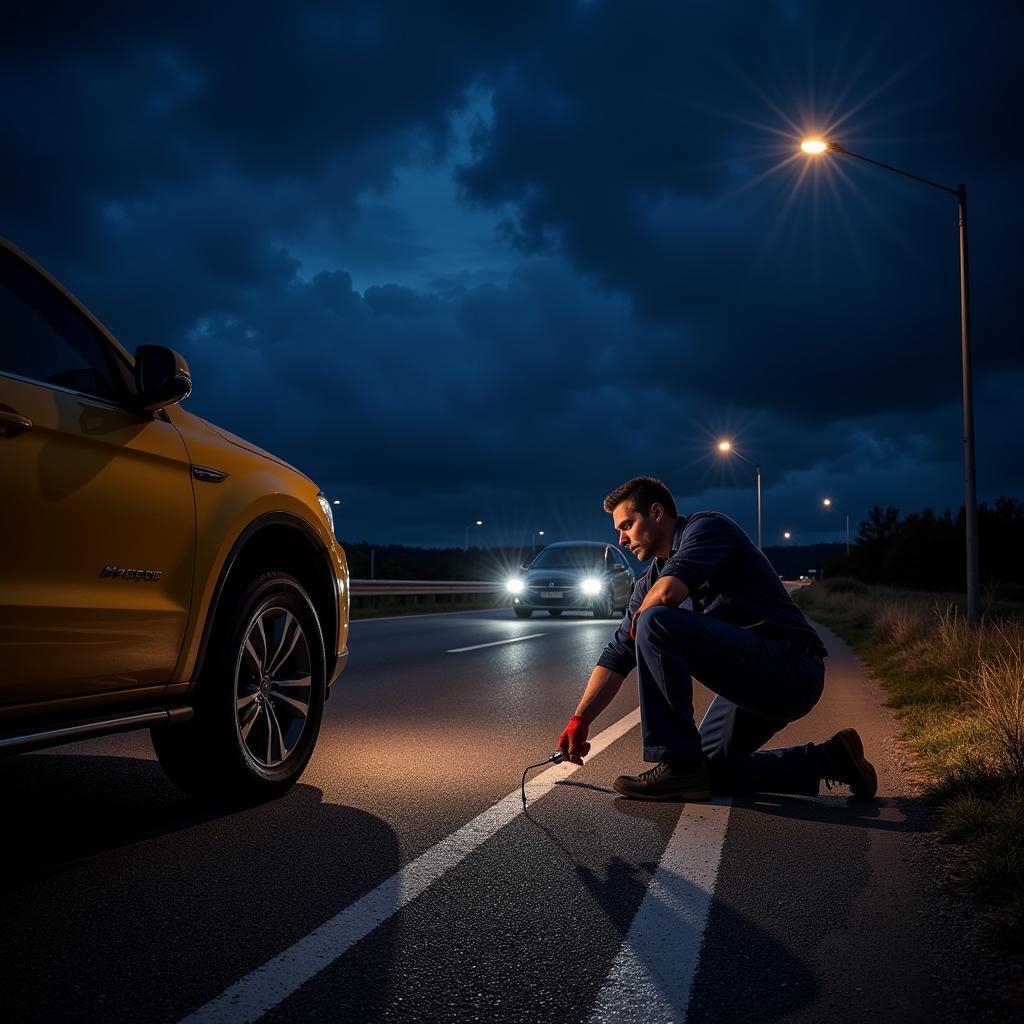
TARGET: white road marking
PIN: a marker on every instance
(495, 643)
(652, 977)
(268, 986)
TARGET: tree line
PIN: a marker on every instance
(927, 551)
(921, 550)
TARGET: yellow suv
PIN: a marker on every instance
(155, 571)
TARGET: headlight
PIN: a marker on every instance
(325, 507)
(591, 586)
(514, 586)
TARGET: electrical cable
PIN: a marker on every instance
(556, 758)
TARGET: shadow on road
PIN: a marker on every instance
(110, 876)
(888, 814)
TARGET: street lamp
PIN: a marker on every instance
(728, 448)
(786, 535)
(820, 146)
(478, 522)
(827, 502)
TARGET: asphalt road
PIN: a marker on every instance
(400, 879)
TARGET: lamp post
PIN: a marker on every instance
(727, 448)
(827, 502)
(537, 533)
(477, 522)
(820, 146)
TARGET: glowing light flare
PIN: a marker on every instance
(514, 586)
(725, 446)
(814, 146)
(591, 587)
(827, 502)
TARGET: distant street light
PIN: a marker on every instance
(727, 448)
(818, 146)
(533, 539)
(787, 535)
(827, 502)
(478, 522)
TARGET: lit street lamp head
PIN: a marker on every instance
(815, 146)
(827, 502)
(725, 446)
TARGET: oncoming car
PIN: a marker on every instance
(158, 572)
(581, 575)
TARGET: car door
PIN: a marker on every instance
(97, 516)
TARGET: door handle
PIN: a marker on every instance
(12, 424)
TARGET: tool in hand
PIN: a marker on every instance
(556, 758)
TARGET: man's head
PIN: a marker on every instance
(644, 513)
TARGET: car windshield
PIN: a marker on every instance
(570, 558)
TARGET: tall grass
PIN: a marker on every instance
(960, 694)
(994, 688)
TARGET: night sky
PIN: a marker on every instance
(464, 260)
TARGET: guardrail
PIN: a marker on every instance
(416, 588)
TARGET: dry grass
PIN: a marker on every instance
(994, 688)
(960, 695)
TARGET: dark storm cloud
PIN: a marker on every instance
(225, 181)
(622, 143)
(118, 102)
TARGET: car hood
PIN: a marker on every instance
(560, 577)
(240, 442)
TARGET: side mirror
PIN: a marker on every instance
(525, 565)
(161, 377)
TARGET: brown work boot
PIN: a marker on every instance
(666, 782)
(843, 762)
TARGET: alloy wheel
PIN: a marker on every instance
(273, 686)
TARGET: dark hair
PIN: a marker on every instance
(642, 492)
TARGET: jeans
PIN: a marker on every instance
(761, 686)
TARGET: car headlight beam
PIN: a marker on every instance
(591, 586)
(514, 586)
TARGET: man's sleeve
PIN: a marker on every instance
(706, 543)
(619, 654)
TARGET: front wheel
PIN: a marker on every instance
(259, 700)
(602, 606)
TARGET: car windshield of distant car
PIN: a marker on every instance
(570, 558)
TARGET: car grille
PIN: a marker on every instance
(541, 595)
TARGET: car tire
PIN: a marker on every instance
(602, 606)
(259, 699)
(554, 612)
(521, 612)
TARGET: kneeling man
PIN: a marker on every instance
(745, 639)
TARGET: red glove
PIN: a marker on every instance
(573, 741)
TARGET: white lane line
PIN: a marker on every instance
(652, 977)
(268, 986)
(495, 643)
